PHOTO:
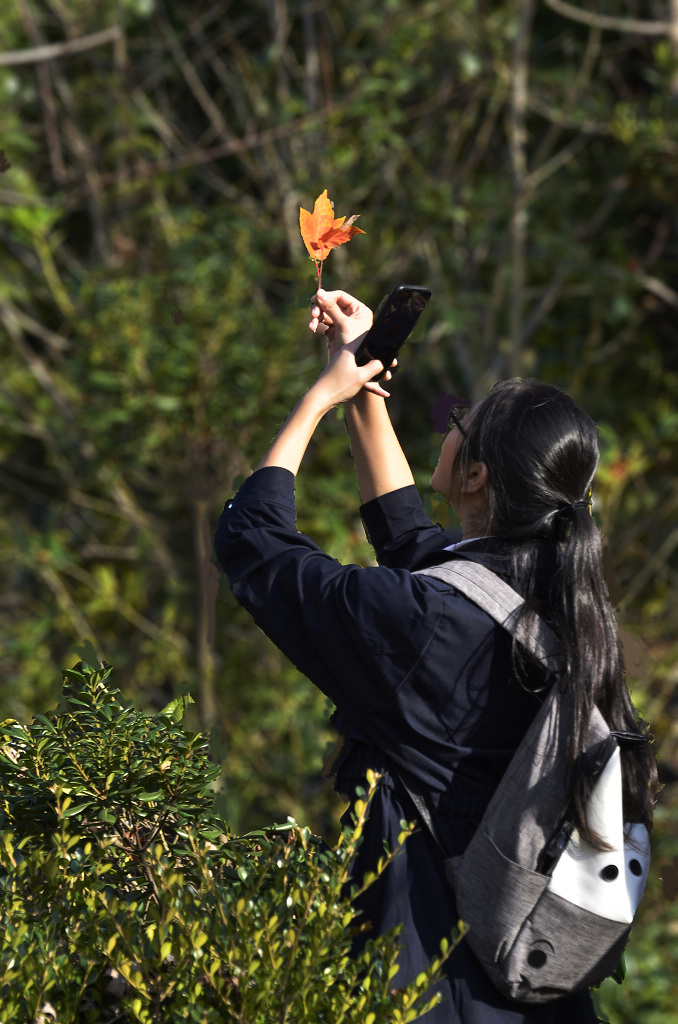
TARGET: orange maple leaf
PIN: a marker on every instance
(321, 232)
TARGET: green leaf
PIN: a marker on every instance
(15, 733)
(43, 720)
(70, 812)
(88, 656)
(619, 973)
(176, 708)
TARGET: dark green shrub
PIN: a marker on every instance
(124, 898)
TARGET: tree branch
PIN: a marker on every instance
(562, 120)
(573, 95)
(605, 21)
(254, 140)
(558, 160)
(52, 50)
(658, 288)
(653, 566)
(207, 586)
(312, 56)
(81, 627)
(521, 187)
(8, 198)
(54, 148)
(546, 303)
(116, 602)
(37, 366)
(55, 341)
(194, 82)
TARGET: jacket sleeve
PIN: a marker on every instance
(400, 532)
(357, 633)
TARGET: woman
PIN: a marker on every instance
(423, 680)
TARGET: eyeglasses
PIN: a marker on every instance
(455, 416)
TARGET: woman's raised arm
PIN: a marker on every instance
(380, 463)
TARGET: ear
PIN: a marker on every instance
(476, 478)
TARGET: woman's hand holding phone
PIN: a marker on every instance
(345, 320)
(380, 463)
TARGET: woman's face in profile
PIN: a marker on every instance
(445, 479)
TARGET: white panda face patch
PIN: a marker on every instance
(609, 884)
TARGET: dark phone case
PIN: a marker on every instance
(394, 320)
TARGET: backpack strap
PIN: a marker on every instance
(498, 599)
(503, 604)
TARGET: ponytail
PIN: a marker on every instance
(539, 500)
(595, 670)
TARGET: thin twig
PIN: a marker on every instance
(521, 188)
(606, 21)
(560, 119)
(545, 304)
(658, 288)
(254, 140)
(312, 56)
(37, 366)
(651, 567)
(572, 98)
(55, 341)
(54, 147)
(68, 606)
(17, 199)
(483, 136)
(558, 160)
(207, 588)
(127, 611)
(50, 51)
(80, 147)
(192, 78)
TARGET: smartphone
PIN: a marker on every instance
(393, 322)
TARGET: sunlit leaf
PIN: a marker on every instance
(322, 232)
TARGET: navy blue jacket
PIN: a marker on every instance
(422, 679)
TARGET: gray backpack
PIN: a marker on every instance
(547, 914)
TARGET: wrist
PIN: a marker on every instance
(317, 400)
(365, 406)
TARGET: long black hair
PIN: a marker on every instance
(541, 453)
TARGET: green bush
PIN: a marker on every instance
(124, 898)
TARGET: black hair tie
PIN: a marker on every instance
(572, 506)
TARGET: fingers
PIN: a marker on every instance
(376, 389)
(374, 368)
(324, 316)
(345, 303)
(330, 309)
(341, 312)
(376, 386)
(339, 308)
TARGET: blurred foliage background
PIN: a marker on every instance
(519, 157)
